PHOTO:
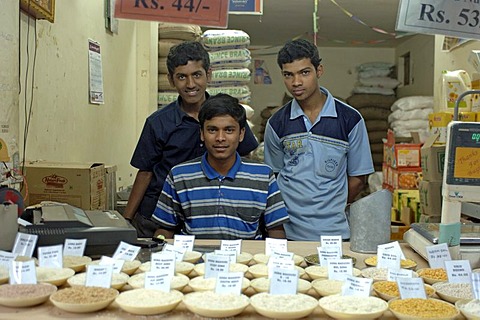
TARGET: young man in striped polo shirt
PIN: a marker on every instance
(220, 195)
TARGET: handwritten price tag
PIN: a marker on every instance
(437, 255)
(458, 271)
(74, 247)
(355, 286)
(183, 241)
(283, 281)
(23, 272)
(99, 276)
(411, 288)
(126, 252)
(275, 245)
(158, 281)
(231, 245)
(51, 256)
(229, 282)
(24, 244)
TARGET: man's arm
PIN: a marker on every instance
(355, 186)
(276, 232)
(142, 180)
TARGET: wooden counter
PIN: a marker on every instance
(302, 248)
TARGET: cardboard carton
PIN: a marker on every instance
(111, 186)
(396, 232)
(433, 159)
(401, 155)
(431, 198)
(406, 178)
(437, 123)
(79, 184)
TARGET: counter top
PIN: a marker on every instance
(302, 248)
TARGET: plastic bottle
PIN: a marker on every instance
(455, 83)
(476, 97)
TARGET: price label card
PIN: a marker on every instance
(6, 259)
(283, 281)
(437, 255)
(126, 252)
(328, 253)
(389, 259)
(232, 255)
(74, 247)
(393, 274)
(281, 255)
(163, 262)
(339, 269)
(158, 281)
(395, 246)
(458, 271)
(99, 276)
(50, 256)
(355, 286)
(179, 252)
(231, 245)
(274, 263)
(411, 288)
(229, 283)
(184, 241)
(476, 284)
(22, 272)
(331, 241)
(277, 245)
(215, 265)
(24, 244)
(117, 265)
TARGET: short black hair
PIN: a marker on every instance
(220, 105)
(296, 50)
(182, 53)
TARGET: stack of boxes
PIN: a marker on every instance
(402, 174)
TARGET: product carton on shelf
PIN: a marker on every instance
(433, 159)
(79, 184)
(110, 186)
(431, 198)
(401, 155)
(437, 123)
(397, 231)
(406, 178)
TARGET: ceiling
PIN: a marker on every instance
(338, 25)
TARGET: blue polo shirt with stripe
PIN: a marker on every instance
(314, 161)
(208, 205)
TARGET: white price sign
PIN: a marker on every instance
(24, 244)
(331, 241)
(355, 286)
(437, 255)
(23, 272)
(328, 253)
(50, 257)
(163, 262)
(283, 281)
(458, 271)
(229, 283)
(456, 18)
(231, 245)
(215, 265)
(339, 269)
(74, 247)
(126, 252)
(179, 252)
(184, 241)
(99, 276)
(411, 288)
(273, 244)
(158, 281)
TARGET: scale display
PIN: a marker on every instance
(463, 154)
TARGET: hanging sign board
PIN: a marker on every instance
(446, 17)
(252, 7)
(211, 13)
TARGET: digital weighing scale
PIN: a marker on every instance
(461, 184)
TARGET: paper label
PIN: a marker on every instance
(355, 286)
(339, 269)
(215, 265)
(74, 247)
(163, 262)
(437, 255)
(24, 244)
(411, 288)
(458, 271)
(332, 241)
(231, 245)
(392, 274)
(50, 256)
(281, 255)
(179, 252)
(388, 258)
(232, 255)
(117, 265)
(22, 272)
(283, 281)
(328, 253)
(6, 259)
(184, 241)
(126, 252)
(277, 245)
(275, 263)
(229, 283)
(476, 284)
(99, 276)
(157, 280)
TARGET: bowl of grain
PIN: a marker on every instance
(470, 308)
(321, 272)
(327, 287)
(452, 292)
(260, 270)
(416, 308)
(353, 307)
(283, 306)
(178, 282)
(263, 258)
(211, 304)
(263, 285)
(4, 276)
(148, 301)
(117, 282)
(404, 263)
(25, 295)
(55, 276)
(76, 263)
(199, 268)
(388, 290)
(242, 257)
(208, 284)
(312, 259)
(433, 275)
(192, 256)
(181, 267)
(83, 299)
(129, 267)
(379, 274)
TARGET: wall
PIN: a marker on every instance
(421, 49)
(339, 75)
(457, 59)
(64, 126)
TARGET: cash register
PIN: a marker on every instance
(103, 229)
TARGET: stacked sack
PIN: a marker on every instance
(170, 34)
(375, 109)
(374, 78)
(410, 114)
(230, 60)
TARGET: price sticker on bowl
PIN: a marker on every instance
(339, 269)
(99, 276)
(163, 262)
(158, 281)
(411, 288)
(355, 286)
(283, 281)
(229, 282)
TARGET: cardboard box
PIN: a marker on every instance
(399, 196)
(111, 186)
(433, 159)
(401, 155)
(79, 184)
(406, 178)
(467, 116)
(437, 123)
(431, 198)
(396, 232)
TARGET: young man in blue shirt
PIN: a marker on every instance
(172, 135)
(318, 146)
(220, 195)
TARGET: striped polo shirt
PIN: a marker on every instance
(241, 205)
(314, 161)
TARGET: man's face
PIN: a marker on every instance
(190, 80)
(221, 135)
(300, 78)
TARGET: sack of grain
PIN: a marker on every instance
(162, 65)
(165, 45)
(374, 113)
(230, 77)
(163, 84)
(359, 101)
(168, 30)
(232, 58)
(241, 92)
(216, 39)
(166, 97)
